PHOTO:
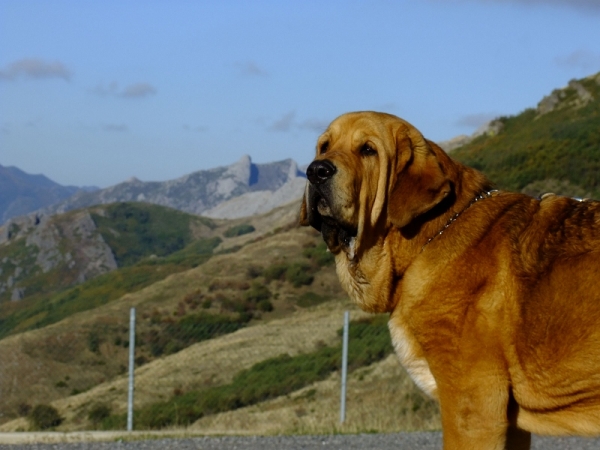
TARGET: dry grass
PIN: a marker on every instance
(34, 362)
(36, 365)
(207, 363)
(380, 398)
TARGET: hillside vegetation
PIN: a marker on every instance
(238, 320)
(265, 307)
(552, 148)
(142, 243)
(179, 308)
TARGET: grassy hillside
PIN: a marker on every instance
(137, 230)
(102, 289)
(265, 380)
(553, 149)
(260, 276)
(203, 332)
(149, 243)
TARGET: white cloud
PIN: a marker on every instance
(315, 125)
(35, 68)
(582, 59)
(138, 90)
(476, 120)
(250, 69)
(111, 89)
(115, 128)
(285, 123)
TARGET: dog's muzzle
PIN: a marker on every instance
(320, 209)
(319, 173)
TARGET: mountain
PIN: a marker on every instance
(73, 241)
(554, 147)
(40, 255)
(251, 188)
(21, 193)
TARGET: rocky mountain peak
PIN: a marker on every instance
(204, 190)
(574, 95)
(240, 171)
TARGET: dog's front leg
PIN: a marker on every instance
(517, 439)
(475, 415)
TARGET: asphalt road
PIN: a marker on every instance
(393, 441)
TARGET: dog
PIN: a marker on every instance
(493, 296)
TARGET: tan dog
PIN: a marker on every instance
(494, 296)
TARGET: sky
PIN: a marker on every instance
(93, 93)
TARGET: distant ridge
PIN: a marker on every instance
(257, 188)
(22, 193)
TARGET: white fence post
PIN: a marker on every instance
(344, 366)
(131, 369)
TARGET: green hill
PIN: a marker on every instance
(552, 148)
(135, 231)
(78, 338)
(82, 259)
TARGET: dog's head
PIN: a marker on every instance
(371, 169)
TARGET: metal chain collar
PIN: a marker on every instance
(481, 196)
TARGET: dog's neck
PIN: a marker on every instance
(481, 196)
(373, 278)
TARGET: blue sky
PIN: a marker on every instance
(92, 93)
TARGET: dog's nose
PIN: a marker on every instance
(319, 172)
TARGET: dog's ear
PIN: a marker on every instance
(304, 209)
(419, 182)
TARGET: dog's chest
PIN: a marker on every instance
(412, 359)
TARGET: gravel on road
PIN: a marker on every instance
(392, 441)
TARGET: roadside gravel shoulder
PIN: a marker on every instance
(150, 441)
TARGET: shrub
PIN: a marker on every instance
(310, 299)
(98, 413)
(228, 283)
(239, 230)
(23, 409)
(44, 416)
(254, 271)
(93, 341)
(174, 336)
(298, 274)
(275, 272)
(257, 293)
(265, 305)
(319, 254)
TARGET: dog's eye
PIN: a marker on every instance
(324, 147)
(367, 150)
